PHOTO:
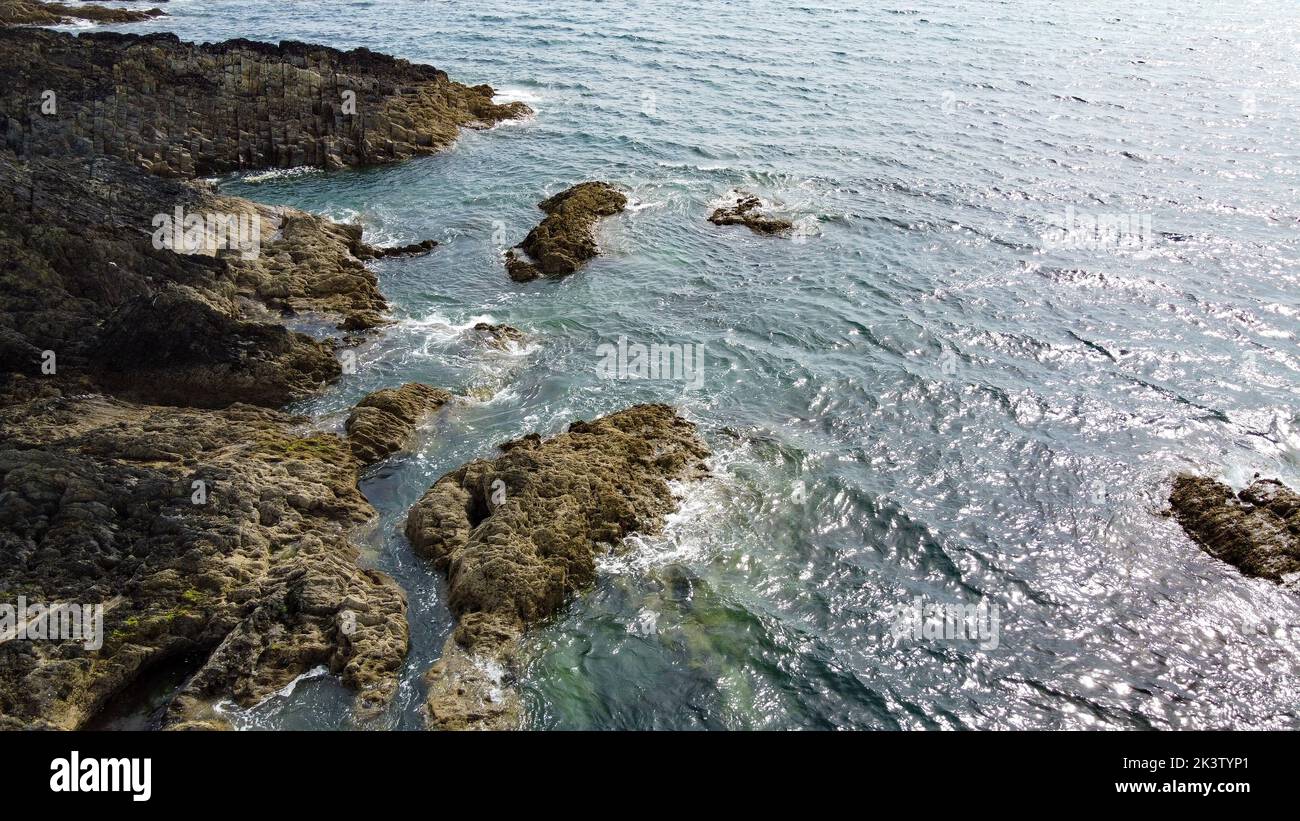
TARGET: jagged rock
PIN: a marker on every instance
(98, 500)
(85, 281)
(381, 424)
(563, 241)
(499, 335)
(380, 252)
(748, 212)
(1256, 530)
(185, 109)
(36, 13)
(519, 533)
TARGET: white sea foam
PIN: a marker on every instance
(279, 174)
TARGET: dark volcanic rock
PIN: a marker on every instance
(518, 534)
(34, 12)
(748, 211)
(563, 241)
(1256, 530)
(381, 424)
(100, 502)
(83, 279)
(379, 251)
(183, 109)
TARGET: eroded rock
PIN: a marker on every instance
(381, 424)
(221, 533)
(563, 241)
(94, 282)
(186, 109)
(518, 534)
(1256, 530)
(499, 336)
(37, 13)
(749, 211)
(384, 251)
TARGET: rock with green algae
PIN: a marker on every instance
(223, 534)
(518, 534)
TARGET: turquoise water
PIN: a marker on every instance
(913, 396)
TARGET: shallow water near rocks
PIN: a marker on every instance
(910, 397)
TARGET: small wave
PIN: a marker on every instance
(278, 174)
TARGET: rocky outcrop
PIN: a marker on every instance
(499, 336)
(1256, 530)
(185, 109)
(382, 251)
(36, 13)
(92, 280)
(216, 531)
(748, 210)
(221, 533)
(516, 535)
(381, 424)
(563, 241)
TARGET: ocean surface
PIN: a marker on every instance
(926, 394)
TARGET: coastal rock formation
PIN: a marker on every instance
(381, 424)
(1256, 530)
(748, 211)
(499, 336)
(563, 240)
(213, 530)
(380, 252)
(185, 109)
(93, 281)
(516, 535)
(36, 13)
(217, 533)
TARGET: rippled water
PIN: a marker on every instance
(913, 397)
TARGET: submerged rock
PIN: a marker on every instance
(563, 241)
(1256, 530)
(37, 13)
(518, 534)
(219, 534)
(381, 424)
(748, 211)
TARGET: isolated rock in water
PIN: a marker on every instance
(499, 336)
(34, 12)
(1256, 530)
(186, 109)
(563, 241)
(748, 212)
(219, 534)
(382, 423)
(380, 252)
(518, 534)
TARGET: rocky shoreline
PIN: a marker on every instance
(143, 459)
